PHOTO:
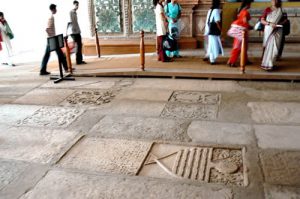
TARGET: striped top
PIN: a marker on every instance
(51, 27)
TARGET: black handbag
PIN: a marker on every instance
(259, 26)
(213, 27)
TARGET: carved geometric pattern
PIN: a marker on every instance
(52, 117)
(108, 16)
(143, 16)
(207, 164)
(195, 97)
(90, 97)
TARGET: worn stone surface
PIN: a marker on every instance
(60, 184)
(281, 168)
(108, 155)
(220, 133)
(79, 83)
(52, 117)
(134, 108)
(9, 171)
(35, 145)
(90, 97)
(278, 137)
(206, 164)
(141, 128)
(11, 114)
(273, 112)
(195, 97)
(190, 111)
(279, 95)
(145, 94)
(280, 192)
(44, 96)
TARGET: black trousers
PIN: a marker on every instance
(60, 55)
(77, 39)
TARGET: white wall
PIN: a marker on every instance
(28, 20)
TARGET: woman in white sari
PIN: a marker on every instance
(272, 34)
(214, 46)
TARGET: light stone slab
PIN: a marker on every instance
(71, 84)
(282, 192)
(108, 155)
(99, 85)
(44, 96)
(9, 171)
(220, 133)
(281, 167)
(196, 97)
(140, 128)
(67, 185)
(35, 145)
(188, 85)
(134, 108)
(52, 117)
(275, 112)
(278, 137)
(281, 95)
(12, 114)
(145, 94)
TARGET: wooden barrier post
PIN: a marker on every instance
(97, 43)
(243, 53)
(68, 55)
(142, 51)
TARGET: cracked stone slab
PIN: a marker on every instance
(196, 97)
(71, 185)
(44, 96)
(196, 163)
(278, 137)
(275, 112)
(220, 133)
(146, 94)
(190, 111)
(90, 97)
(281, 167)
(11, 114)
(35, 145)
(52, 117)
(140, 128)
(280, 192)
(107, 155)
(9, 171)
(134, 108)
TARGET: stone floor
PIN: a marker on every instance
(147, 138)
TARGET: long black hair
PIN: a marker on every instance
(215, 4)
(244, 4)
(155, 2)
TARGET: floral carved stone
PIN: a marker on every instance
(195, 97)
(207, 164)
(90, 98)
(52, 117)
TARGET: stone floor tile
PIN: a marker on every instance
(141, 128)
(278, 137)
(107, 155)
(275, 112)
(134, 108)
(35, 144)
(281, 192)
(145, 94)
(196, 163)
(72, 84)
(44, 96)
(220, 133)
(196, 97)
(51, 116)
(13, 114)
(67, 185)
(281, 167)
(275, 95)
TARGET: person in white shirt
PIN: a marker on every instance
(160, 30)
(5, 36)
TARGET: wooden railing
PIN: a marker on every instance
(142, 51)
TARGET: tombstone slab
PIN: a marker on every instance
(196, 97)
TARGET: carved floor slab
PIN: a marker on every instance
(12, 114)
(52, 117)
(90, 97)
(205, 164)
(107, 155)
(195, 97)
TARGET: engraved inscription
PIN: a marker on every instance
(90, 98)
(195, 97)
(208, 164)
(52, 117)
